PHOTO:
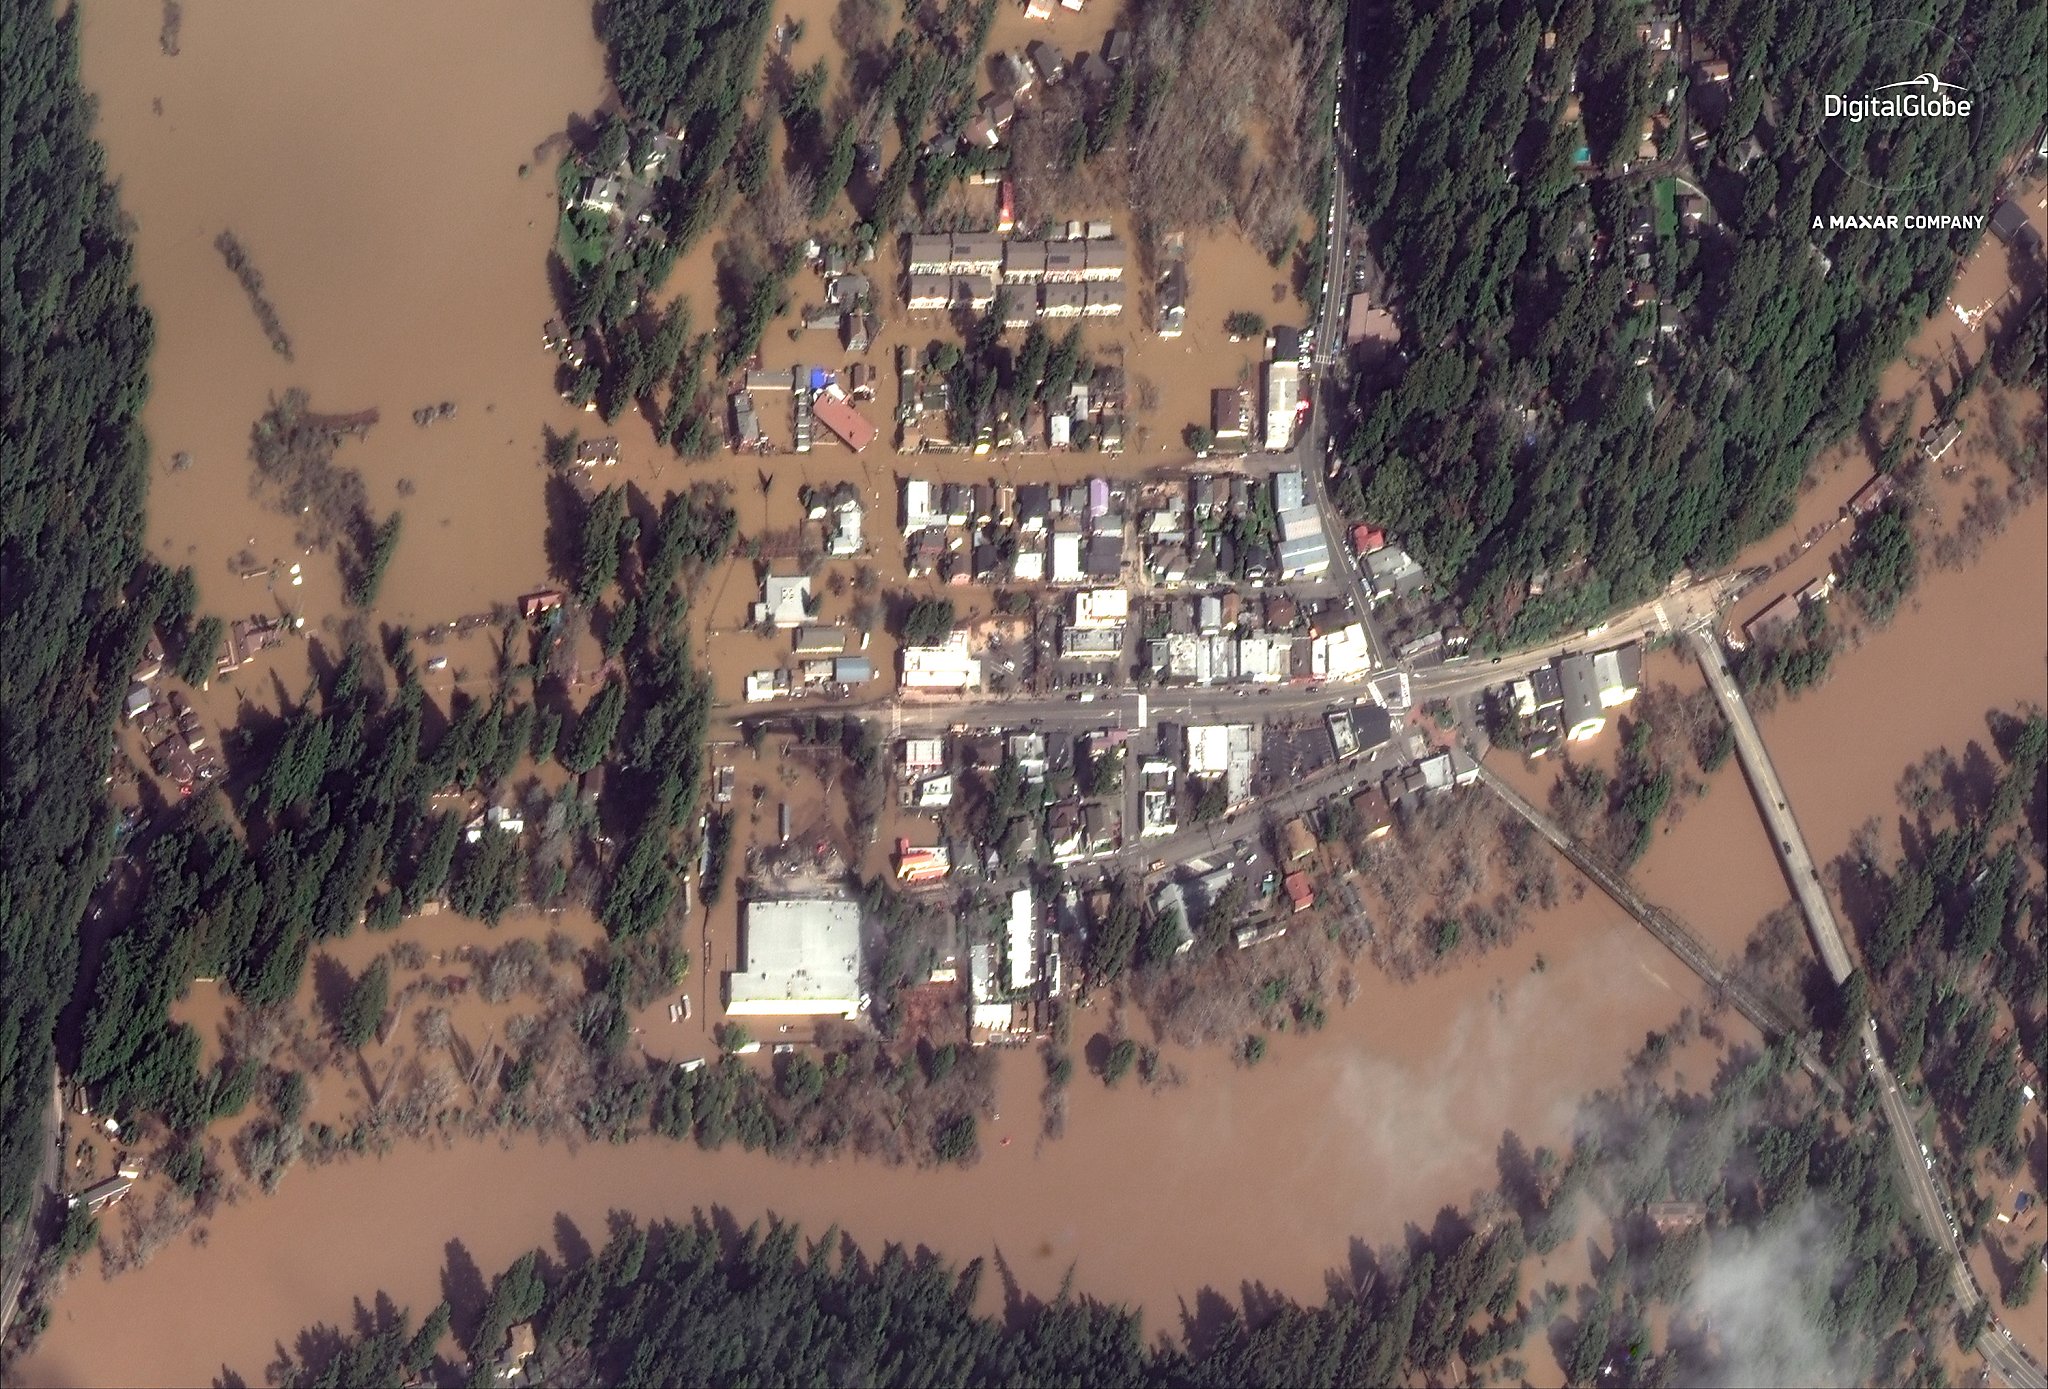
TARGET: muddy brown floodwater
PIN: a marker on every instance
(1237, 1177)
(367, 156)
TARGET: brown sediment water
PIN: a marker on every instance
(1239, 1175)
(1710, 864)
(376, 187)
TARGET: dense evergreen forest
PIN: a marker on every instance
(1595, 387)
(72, 477)
(327, 823)
(1958, 973)
(1787, 1198)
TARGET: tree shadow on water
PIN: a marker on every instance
(464, 1289)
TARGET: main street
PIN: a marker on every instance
(1663, 616)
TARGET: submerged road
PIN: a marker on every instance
(1929, 1199)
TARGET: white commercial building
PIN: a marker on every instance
(1283, 399)
(1222, 750)
(919, 506)
(1265, 658)
(1023, 940)
(1102, 607)
(801, 958)
(946, 666)
(1344, 654)
(1066, 558)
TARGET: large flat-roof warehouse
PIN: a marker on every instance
(800, 957)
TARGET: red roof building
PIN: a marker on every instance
(1298, 891)
(837, 414)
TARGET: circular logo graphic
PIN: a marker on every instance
(1894, 104)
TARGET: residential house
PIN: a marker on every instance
(1939, 438)
(1024, 262)
(999, 110)
(976, 253)
(974, 292)
(1102, 260)
(822, 641)
(1172, 294)
(785, 601)
(1062, 300)
(1297, 839)
(1582, 713)
(1778, 617)
(836, 413)
(1619, 674)
(1050, 63)
(1374, 816)
(1103, 300)
(928, 292)
(1034, 507)
(1015, 74)
(929, 255)
(1017, 306)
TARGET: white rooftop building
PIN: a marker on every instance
(1283, 396)
(923, 755)
(785, 600)
(1222, 750)
(1023, 940)
(1102, 607)
(1341, 655)
(1265, 658)
(946, 666)
(1066, 558)
(801, 959)
(920, 506)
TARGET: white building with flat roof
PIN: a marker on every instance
(1023, 940)
(1341, 655)
(1102, 607)
(1066, 558)
(946, 666)
(920, 503)
(800, 958)
(1265, 657)
(1283, 398)
(1222, 750)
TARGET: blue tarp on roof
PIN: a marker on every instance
(820, 378)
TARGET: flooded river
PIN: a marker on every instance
(1237, 1177)
(376, 183)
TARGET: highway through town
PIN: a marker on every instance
(1311, 455)
(1923, 1186)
